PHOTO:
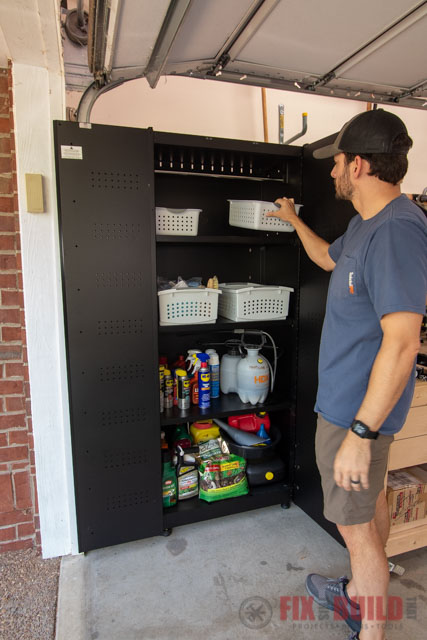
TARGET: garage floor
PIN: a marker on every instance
(224, 579)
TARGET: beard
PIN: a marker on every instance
(344, 190)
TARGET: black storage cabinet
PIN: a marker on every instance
(109, 181)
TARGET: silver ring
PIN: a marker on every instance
(354, 481)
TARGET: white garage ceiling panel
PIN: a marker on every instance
(371, 51)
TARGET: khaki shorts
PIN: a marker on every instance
(341, 506)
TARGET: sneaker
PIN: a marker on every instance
(353, 636)
(331, 593)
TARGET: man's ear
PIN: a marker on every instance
(360, 167)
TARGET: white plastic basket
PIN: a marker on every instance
(250, 214)
(188, 306)
(177, 222)
(245, 301)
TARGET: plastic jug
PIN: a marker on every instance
(253, 377)
(228, 370)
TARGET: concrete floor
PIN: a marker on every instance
(222, 580)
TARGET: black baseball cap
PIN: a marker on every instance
(373, 131)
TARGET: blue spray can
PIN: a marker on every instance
(204, 378)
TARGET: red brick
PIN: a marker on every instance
(4, 144)
(4, 83)
(15, 517)
(15, 404)
(19, 260)
(19, 466)
(11, 121)
(6, 184)
(11, 387)
(37, 522)
(10, 316)
(12, 421)
(18, 437)
(23, 497)
(32, 459)
(4, 468)
(15, 370)
(25, 530)
(22, 316)
(8, 280)
(7, 243)
(6, 164)
(6, 535)
(10, 352)
(30, 442)
(12, 298)
(5, 124)
(3, 440)
(7, 222)
(8, 454)
(19, 545)
(11, 334)
(6, 204)
(20, 281)
(6, 494)
(4, 104)
(7, 262)
(16, 203)
(28, 410)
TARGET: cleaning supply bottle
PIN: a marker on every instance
(169, 480)
(180, 437)
(214, 370)
(204, 382)
(253, 376)
(187, 475)
(227, 372)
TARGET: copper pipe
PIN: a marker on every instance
(264, 114)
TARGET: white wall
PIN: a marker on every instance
(39, 97)
(211, 108)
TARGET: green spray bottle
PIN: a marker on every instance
(169, 480)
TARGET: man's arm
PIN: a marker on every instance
(389, 375)
(315, 246)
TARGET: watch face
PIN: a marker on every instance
(360, 429)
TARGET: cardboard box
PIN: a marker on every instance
(407, 494)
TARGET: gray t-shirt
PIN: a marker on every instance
(381, 267)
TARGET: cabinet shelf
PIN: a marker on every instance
(269, 238)
(225, 405)
(195, 510)
(223, 324)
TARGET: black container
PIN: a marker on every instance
(265, 471)
(264, 452)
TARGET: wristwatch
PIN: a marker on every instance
(362, 430)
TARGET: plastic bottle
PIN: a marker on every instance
(214, 369)
(204, 382)
(169, 480)
(227, 372)
(253, 377)
(187, 476)
(180, 437)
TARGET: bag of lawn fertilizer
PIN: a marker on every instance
(221, 477)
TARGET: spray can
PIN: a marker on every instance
(168, 393)
(162, 382)
(204, 382)
(214, 369)
(183, 389)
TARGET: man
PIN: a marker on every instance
(370, 340)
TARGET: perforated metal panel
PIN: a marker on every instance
(107, 233)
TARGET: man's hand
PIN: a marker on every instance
(286, 212)
(352, 462)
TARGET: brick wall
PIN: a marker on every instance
(19, 521)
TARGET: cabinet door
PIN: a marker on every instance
(329, 218)
(105, 195)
